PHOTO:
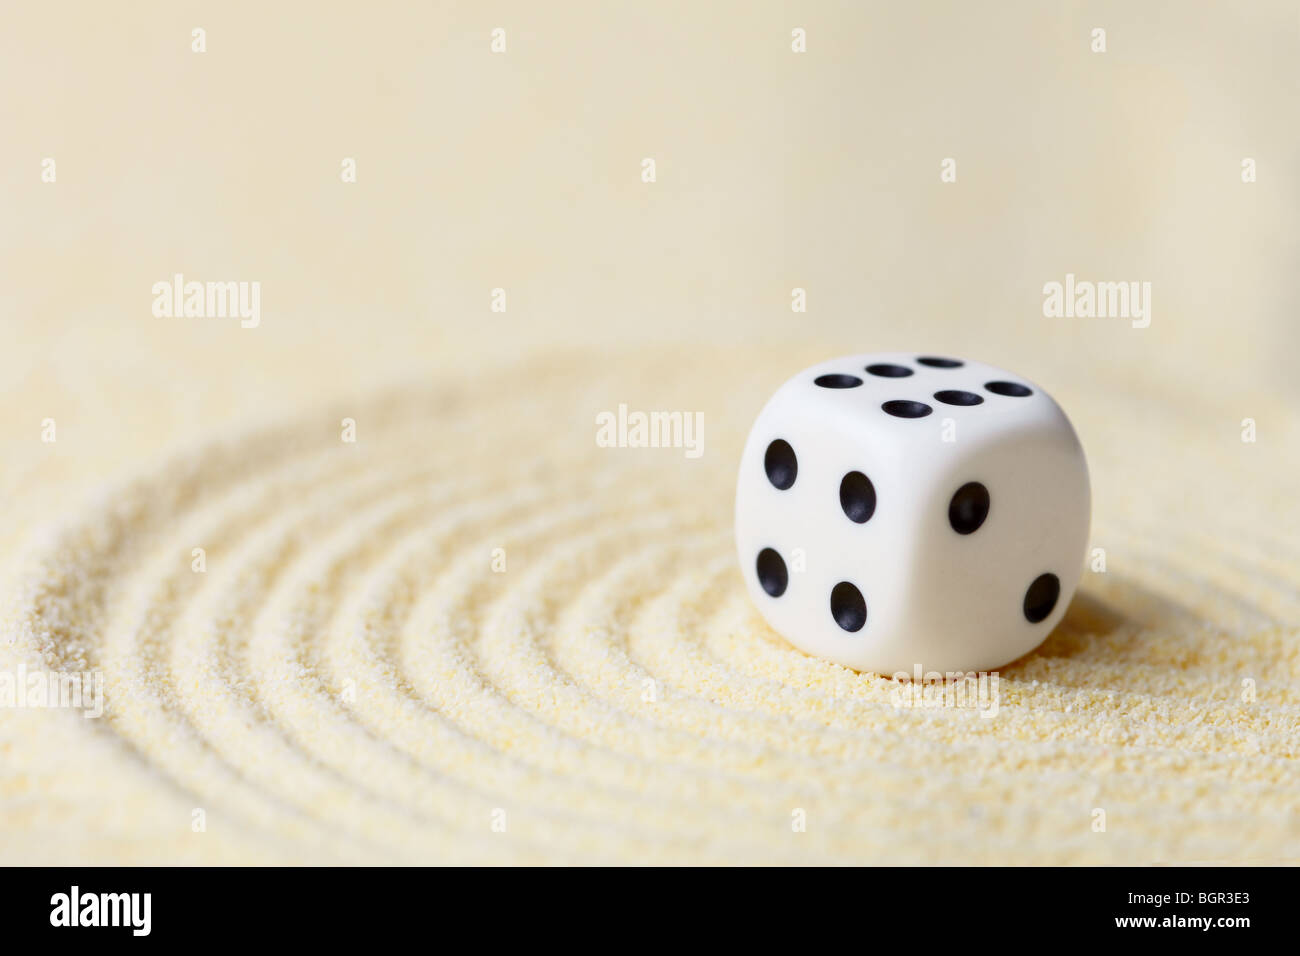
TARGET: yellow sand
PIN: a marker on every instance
(350, 679)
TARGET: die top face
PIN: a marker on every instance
(885, 392)
(869, 538)
(913, 416)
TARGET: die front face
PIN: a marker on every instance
(896, 510)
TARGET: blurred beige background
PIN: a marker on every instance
(775, 170)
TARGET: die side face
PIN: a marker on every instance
(825, 526)
(913, 508)
(995, 592)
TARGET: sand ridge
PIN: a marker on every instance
(351, 680)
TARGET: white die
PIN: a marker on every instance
(897, 511)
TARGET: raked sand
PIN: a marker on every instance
(474, 635)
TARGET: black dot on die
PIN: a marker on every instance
(886, 370)
(936, 362)
(958, 397)
(1014, 389)
(905, 409)
(772, 576)
(1041, 597)
(857, 497)
(968, 508)
(780, 464)
(848, 607)
(837, 381)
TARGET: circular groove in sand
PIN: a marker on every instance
(524, 690)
